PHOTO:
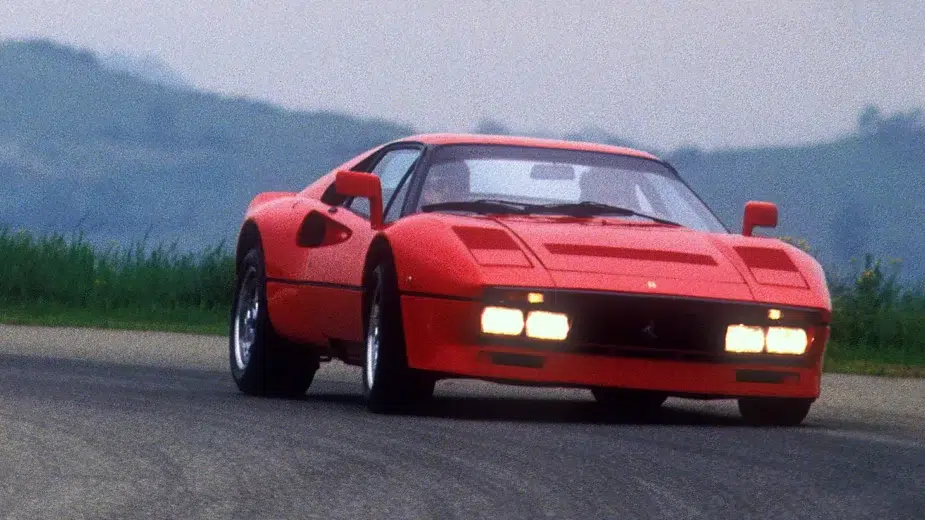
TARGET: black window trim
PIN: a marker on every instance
(369, 164)
(430, 150)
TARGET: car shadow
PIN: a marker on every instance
(562, 411)
(533, 410)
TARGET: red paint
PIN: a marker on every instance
(442, 341)
(485, 238)
(766, 258)
(758, 214)
(500, 257)
(645, 251)
(316, 294)
(652, 255)
(366, 185)
(438, 139)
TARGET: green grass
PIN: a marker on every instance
(192, 320)
(878, 324)
(56, 280)
(873, 367)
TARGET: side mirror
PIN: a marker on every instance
(366, 185)
(758, 214)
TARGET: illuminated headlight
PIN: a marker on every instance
(547, 325)
(786, 340)
(502, 320)
(744, 339)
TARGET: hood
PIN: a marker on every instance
(627, 249)
(636, 257)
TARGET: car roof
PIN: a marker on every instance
(510, 140)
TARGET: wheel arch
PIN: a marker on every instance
(248, 238)
(379, 249)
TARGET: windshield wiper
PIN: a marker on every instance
(484, 206)
(590, 209)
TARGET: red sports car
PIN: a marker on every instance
(526, 261)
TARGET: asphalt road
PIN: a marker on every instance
(150, 425)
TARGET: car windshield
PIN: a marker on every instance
(566, 181)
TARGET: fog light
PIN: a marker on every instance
(547, 325)
(744, 339)
(787, 340)
(502, 320)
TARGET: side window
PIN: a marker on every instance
(393, 211)
(391, 169)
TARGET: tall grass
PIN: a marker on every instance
(875, 317)
(58, 271)
(64, 280)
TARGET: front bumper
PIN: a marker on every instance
(441, 335)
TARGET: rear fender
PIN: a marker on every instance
(266, 197)
(277, 217)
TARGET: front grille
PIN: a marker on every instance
(644, 324)
(659, 327)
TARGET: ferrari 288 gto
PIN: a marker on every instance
(524, 261)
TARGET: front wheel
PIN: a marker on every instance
(774, 411)
(261, 361)
(388, 384)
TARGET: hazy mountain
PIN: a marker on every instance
(121, 146)
(862, 193)
(83, 144)
(147, 68)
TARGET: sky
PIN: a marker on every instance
(715, 74)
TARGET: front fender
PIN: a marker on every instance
(797, 280)
(432, 258)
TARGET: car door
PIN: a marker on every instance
(335, 265)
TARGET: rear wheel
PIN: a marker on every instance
(774, 411)
(388, 384)
(638, 403)
(261, 361)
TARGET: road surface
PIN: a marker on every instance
(106, 424)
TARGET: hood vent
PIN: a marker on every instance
(485, 238)
(492, 247)
(771, 266)
(631, 254)
(766, 258)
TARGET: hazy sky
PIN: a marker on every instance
(716, 74)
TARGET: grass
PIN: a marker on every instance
(872, 367)
(878, 324)
(56, 280)
(191, 321)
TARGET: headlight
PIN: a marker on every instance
(787, 340)
(502, 320)
(547, 325)
(744, 339)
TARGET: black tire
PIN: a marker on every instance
(632, 403)
(774, 411)
(272, 366)
(389, 386)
